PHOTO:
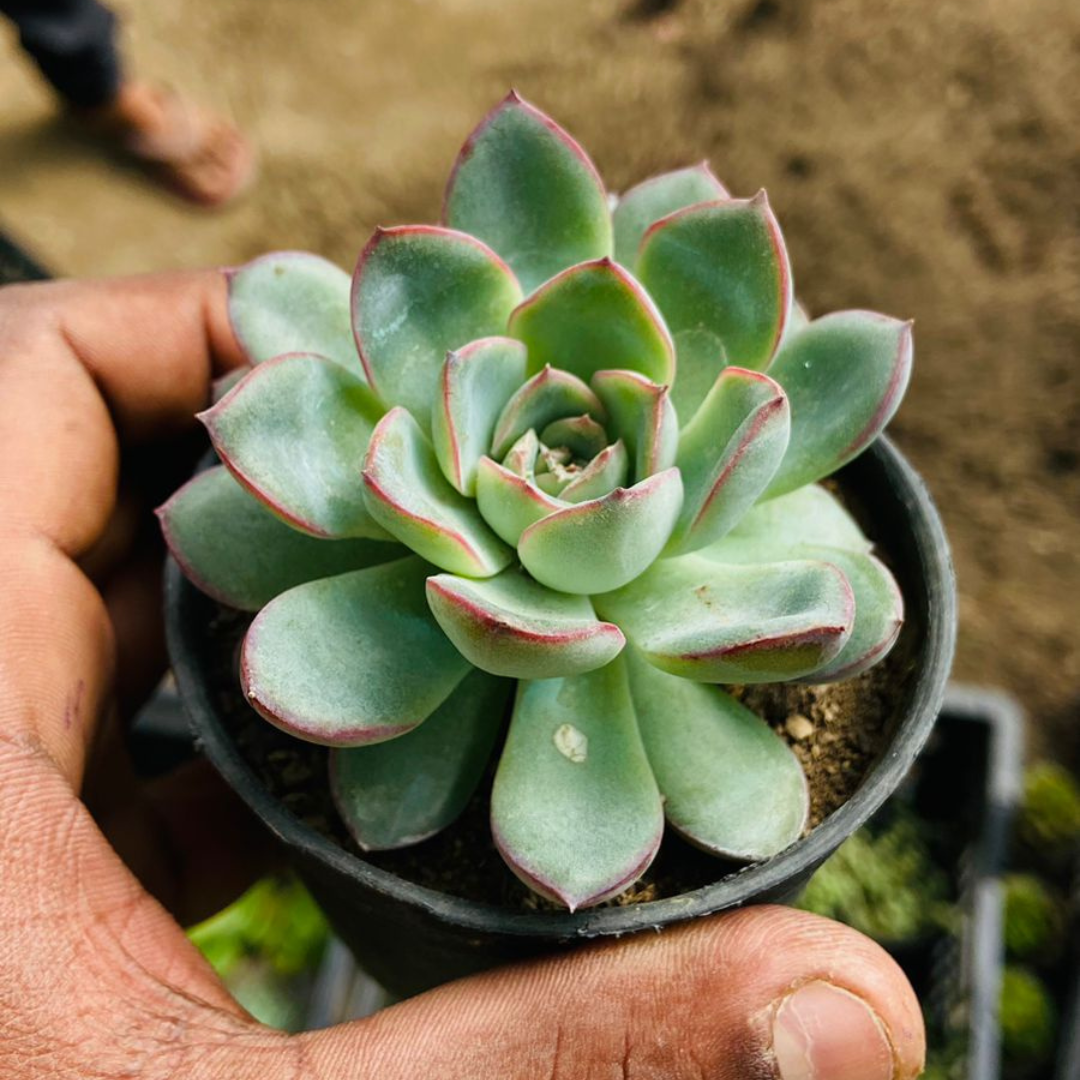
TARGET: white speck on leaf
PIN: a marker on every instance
(571, 743)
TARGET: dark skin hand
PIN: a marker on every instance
(98, 385)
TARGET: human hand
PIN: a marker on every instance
(98, 386)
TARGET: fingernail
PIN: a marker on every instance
(821, 1032)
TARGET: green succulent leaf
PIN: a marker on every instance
(730, 784)
(610, 469)
(549, 395)
(592, 317)
(477, 381)
(719, 273)
(522, 185)
(644, 205)
(575, 810)
(352, 659)
(879, 605)
(419, 292)
(719, 623)
(728, 453)
(508, 502)
(845, 376)
(642, 415)
(291, 301)
(292, 433)
(409, 496)
(604, 543)
(808, 515)
(396, 793)
(879, 614)
(510, 625)
(239, 553)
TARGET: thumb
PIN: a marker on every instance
(763, 992)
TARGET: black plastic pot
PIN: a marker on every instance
(410, 938)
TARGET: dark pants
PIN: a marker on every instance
(74, 44)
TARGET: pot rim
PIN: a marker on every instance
(733, 890)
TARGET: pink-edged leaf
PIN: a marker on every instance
(728, 453)
(845, 375)
(642, 416)
(591, 317)
(396, 793)
(646, 203)
(522, 185)
(575, 811)
(350, 660)
(550, 394)
(581, 436)
(602, 544)
(292, 433)
(510, 625)
(409, 496)
(879, 606)
(233, 549)
(418, 292)
(730, 784)
(509, 501)
(610, 469)
(718, 623)
(719, 272)
(476, 383)
(292, 301)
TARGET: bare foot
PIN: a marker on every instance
(202, 157)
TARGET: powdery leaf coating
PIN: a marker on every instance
(239, 553)
(610, 469)
(576, 814)
(879, 606)
(476, 383)
(720, 623)
(409, 496)
(643, 416)
(845, 376)
(508, 502)
(809, 515)
(730, 784)
(510, 625)
(291, 301)
(728, 453)
(655, 198)
(292, 433)
(418, 292)
(603, 544)
(350, 660)
(591, 317)
(522, 185)
(396, 793)
(551, 394)
(719, 272)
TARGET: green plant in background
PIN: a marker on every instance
(556, 444)
(1049, 823)
(263, 945)
(1035, 918)
(275, 921)
(884, 883)
(1028, 1018)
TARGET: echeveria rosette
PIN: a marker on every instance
(548, 443)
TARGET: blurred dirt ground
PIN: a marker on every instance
(923, 158)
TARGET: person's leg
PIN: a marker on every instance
(73, 42)
(201, 156)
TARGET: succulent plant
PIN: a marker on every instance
(561, 444)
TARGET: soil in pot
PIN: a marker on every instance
(837, 731)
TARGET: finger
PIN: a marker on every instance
(763, 992)
(74, 358)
